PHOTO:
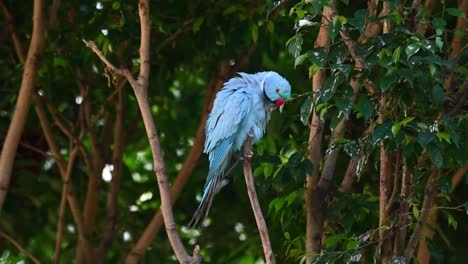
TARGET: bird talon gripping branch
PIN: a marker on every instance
(241, 110)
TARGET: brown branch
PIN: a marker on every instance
(20, 114)
(11, 29)
(53, 12)
(61, 217)
(257, 210)
(18, 246)
(312, 197)
(350, 176)
(407, 186)
(140, 89)
(396, 180)
(430, 192)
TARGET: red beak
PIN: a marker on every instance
(279, 102)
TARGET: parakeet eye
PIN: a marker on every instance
(277, 90)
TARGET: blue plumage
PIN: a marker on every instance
(241, 109)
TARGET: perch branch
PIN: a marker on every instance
(257, 210)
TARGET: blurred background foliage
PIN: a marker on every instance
(189, 42)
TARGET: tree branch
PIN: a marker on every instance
(140, 89)
(18, 246)
(18, 122)
(313, 202)
(430, 192)
(63, 200)
(257, 210)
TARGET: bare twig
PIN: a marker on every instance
(257, 210)
(18, 246)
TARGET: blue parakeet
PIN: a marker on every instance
(241, 109)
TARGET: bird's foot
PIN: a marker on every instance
(247, 156)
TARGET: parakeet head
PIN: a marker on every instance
(276, 89)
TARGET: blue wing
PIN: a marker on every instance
(231, 107)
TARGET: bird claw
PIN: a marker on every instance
(247, 156)
(251, 134)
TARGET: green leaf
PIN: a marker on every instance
(443, 136)
(294, 45)
(438, 94)
(334, 29)
(344, 68)
(365, 108)
(439, 43)
(270, 26)
(306, 110)
(396, 55)
(116, 5)
(359, 19)
(407, 120)
(432, 69)
(415, 212)
(382, 131)
(333, 240)
(387, 81)
(466, 208)
(435, 155)
(254, 30)
(267, 169)
(198, 23)
(412, 49)
(425, 138)
(396, 128)
(451, 220)
(300, 59)
(313, 69)
(455, 12)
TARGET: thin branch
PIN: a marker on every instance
(11, 29)
(18, 246)
(123, 72)
(257, 210)
(65, 190)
